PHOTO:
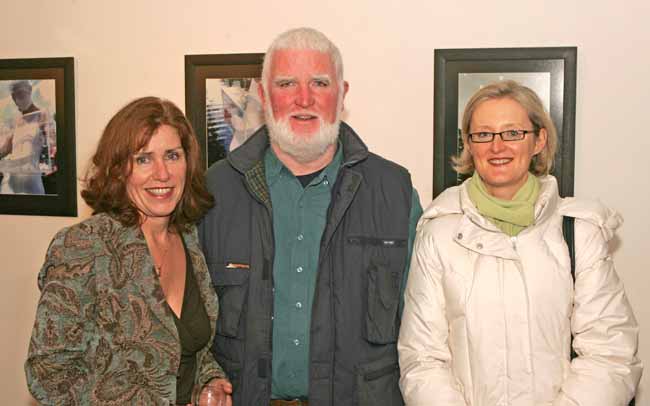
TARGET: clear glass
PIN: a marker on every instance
(208, 395)
(508, 135)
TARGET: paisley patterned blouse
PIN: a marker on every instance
(104, 334)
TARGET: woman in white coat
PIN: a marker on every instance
(490, 304)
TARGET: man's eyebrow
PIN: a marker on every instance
(324, 77)
(279, 79)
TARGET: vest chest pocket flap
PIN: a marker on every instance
(231, 285)
(385, 269)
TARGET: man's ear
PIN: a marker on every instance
(346, 87)
(262, 95)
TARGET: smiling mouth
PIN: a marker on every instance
(160, 191)
(499, 161)
(304, 117)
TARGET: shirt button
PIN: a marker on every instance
(326, 182)
(460, 236)
(299, 269)
(300, 237)
(296, 341)
(479, 246)
(298, 305)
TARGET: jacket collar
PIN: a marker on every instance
(133, 241)
(479, 234)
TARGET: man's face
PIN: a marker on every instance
(302, 102)
(303, 88)
(23, 98)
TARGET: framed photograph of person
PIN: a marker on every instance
(221, 100)
(37, 137)
(459, 73)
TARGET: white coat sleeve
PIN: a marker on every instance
(424, 355)
(606, 371)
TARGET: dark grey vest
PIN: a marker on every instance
(355, 323)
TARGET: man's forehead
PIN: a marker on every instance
(302, 61)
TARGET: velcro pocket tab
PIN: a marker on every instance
(231, 286)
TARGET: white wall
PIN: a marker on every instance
(129, 48)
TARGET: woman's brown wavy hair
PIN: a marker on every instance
(127, 133)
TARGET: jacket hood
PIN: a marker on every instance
(593, 212)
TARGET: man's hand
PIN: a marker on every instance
(217, 392)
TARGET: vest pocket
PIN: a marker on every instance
(232, 289)
(383, 301)
(378, 383)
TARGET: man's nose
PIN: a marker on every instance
(305, 96)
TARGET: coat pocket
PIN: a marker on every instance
(383, 302)
(232, 289)
(378, 383)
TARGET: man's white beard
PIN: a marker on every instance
(306, 148)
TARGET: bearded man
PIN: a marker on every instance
(308, 244)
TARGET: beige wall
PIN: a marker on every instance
(124, 49)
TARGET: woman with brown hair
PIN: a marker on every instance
(127, 311)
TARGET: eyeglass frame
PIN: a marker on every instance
(500, 134)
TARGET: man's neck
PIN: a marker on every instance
(304, 168)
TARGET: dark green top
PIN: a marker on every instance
(193, 331)
(299, 218)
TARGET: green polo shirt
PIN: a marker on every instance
(299, 218)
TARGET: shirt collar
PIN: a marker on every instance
(274, 167)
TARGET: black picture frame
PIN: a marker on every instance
(449, 64)
(60, 198)
(198, 69)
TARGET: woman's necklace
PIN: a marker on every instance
(160, 266)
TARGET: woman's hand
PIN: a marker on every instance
(217, 392)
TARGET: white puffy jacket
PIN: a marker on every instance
(488, 317)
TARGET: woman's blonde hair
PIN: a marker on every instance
(542, 163)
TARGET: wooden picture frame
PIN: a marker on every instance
(37, 137)
(550, 71)
(234, 114)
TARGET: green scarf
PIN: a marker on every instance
(510, 216)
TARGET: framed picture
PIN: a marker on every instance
(37, 137)
(221, 100)
(459, 73)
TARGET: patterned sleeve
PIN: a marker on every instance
(210, 369)
(57, 368)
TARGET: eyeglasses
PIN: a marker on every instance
(508, 135)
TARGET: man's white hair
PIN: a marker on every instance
(303, 149)
(299, 39)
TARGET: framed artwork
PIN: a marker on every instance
(221, 100)
(459, 73)
(37, 137)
